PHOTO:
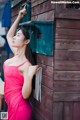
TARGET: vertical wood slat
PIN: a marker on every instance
(76, 111)
(68, 110)
(58, 111)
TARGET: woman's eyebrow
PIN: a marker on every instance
(18, 33)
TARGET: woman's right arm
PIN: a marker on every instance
(13, 28)
(1, 87)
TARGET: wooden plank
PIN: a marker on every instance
(37, 2)
(66, 75)
(47, 71)
(66, 86)
(48, 115)
(15, 10)
(46, 105)
(47, 98)
(37, 114)
(33, 1)
(67, 65)
(66, 40)
(47, 81)
(69, 32)
(41, 8)
(46, 60)
(67, 23)
(67, 55)
(46, 16)
(76, 111)
(66, 36)
(68, 45)
(66, 96)
(64, 13)
(14, 3)
(58, 111)
(68, 111)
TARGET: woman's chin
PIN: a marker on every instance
(14, 46)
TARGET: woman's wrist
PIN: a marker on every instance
(19, 17)
(28, 75)
(21, 14)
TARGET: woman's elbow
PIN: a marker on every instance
(25, 95)
(7, 36)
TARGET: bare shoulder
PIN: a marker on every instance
(8, 60)
(25, 66)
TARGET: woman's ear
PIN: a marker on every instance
(27, 41)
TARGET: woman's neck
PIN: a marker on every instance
(20, 53)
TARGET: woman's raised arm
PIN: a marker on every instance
(13, 28)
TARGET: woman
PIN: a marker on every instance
(18, 74)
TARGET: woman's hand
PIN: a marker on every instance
(22, 12)
(32, 70)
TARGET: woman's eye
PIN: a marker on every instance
(18, 35)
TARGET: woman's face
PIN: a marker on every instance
(19, 40)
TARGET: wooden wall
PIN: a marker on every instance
(66, 84)
(44, 10)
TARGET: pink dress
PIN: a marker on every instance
(18, 107)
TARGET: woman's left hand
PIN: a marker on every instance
(22, 12)
(32, 70)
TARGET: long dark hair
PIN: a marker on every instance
(30, 55)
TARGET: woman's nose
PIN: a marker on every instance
(14, 37)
